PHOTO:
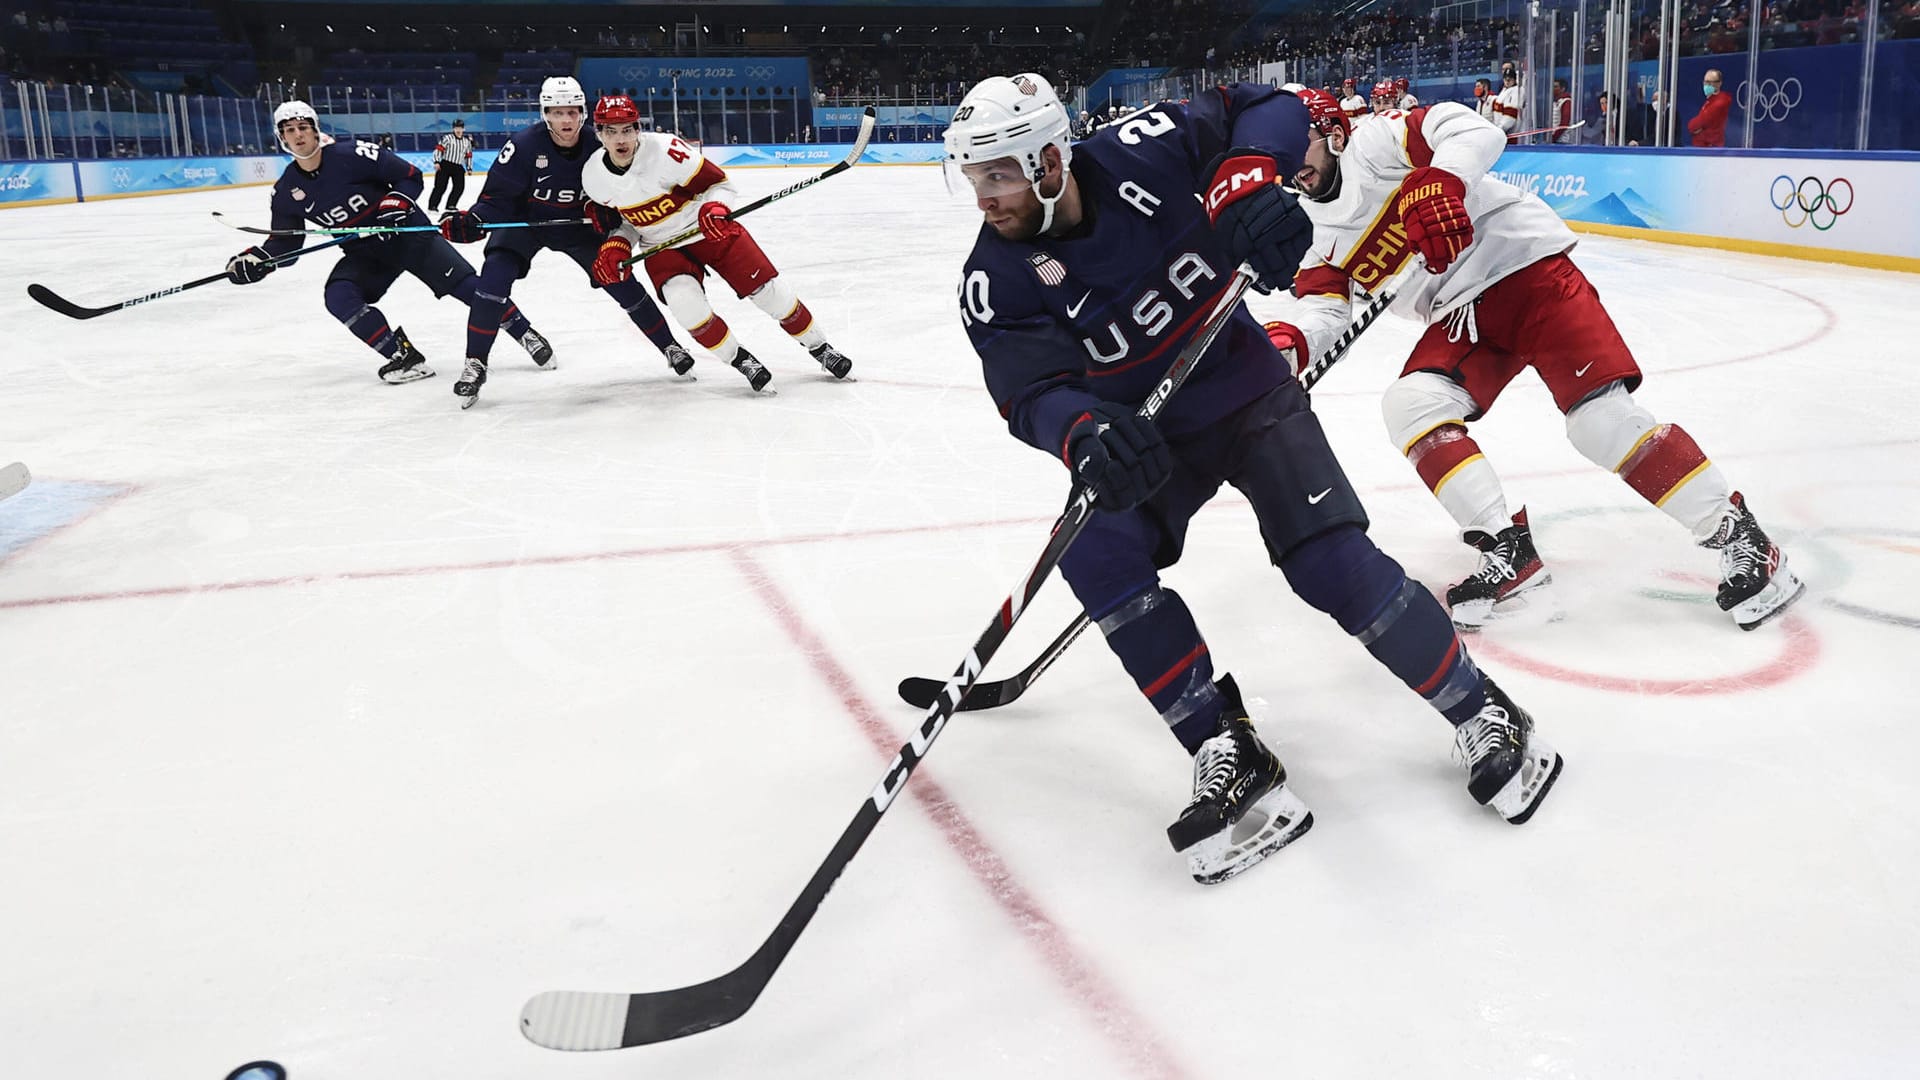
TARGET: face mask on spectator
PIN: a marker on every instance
(1709, 89)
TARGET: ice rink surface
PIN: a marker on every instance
(338, 721)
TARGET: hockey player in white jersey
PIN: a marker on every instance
(661, 186)
(1506, 103)
(1351, 102)
(1498, 294)
(1403, 87)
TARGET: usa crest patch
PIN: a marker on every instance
(298, 195)
(540, 162)
(1048, 268)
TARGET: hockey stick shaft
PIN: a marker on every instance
(48, 298)
(918, 691)
(1576, 125)
(852, 159)
(573, 1020)
(376, 230)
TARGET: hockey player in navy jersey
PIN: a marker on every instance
(537, 178)
(337, 185)
(1093, 268)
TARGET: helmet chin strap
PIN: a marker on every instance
(1048, 203)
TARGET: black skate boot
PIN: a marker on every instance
(832, 359)
(539, 348)
(406, 364)
(1509, 767)
(1755, 584)
(1241, 811)
(757, 374)
(472, 378)
(679, 359)
(1509, 566)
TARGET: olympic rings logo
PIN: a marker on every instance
(636, 71)
(1810, 198)
(759, 73)
(122, 177)
(1774, 99)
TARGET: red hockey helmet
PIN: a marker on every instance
(1384, 89)
(1325, 113)
(1348, 83)
(1401, 84)
(615, 109)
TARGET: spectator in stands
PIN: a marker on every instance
(1709, 126)
(1562, 112)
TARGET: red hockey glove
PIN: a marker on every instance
(1291, 343)
(605, 218)
(462, 227)
(1430, 204)
(1261, 222)
(714, 222)
(610, 265)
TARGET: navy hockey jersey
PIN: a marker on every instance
(534, 180)
(345, 190)
(1100, 314)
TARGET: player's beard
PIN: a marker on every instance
(1328, 185)
(1023, 224)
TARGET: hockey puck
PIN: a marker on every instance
(259, 1070)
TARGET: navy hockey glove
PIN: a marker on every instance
(249, 266)
(606, 220)
(1260, 221)
(462, 226)
(1118, 454)
(392, 213)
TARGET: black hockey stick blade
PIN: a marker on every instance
(48, 298)
(922, 692)
(585, 1020)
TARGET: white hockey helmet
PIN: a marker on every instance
(293, 110)
(1014, 117)
(562, 90)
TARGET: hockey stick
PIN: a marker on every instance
(580, 1020)
(852, 159)
(71, 310)
(1576, 125)
(376, 230)
(14, 479)
(920, 692)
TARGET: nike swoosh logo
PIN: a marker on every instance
(449, 272)
(1314, 500)
(1582, 371)
(310, 207)
(543, 179)
(1074, 311)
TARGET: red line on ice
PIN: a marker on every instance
(1130, 1034)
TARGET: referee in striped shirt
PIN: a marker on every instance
(451, 160)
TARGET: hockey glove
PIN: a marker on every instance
(1118, 454)
(610, 266)
(392, 213)
(462, 226)
(249, 266)
(1292, 344)
(1431, 205)
(1260, 221)
(605, 218)
(714, 222)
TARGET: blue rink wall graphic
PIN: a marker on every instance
(1817, 204)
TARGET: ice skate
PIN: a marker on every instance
(472, 377)
(406, 364)
(1509, 767)
(1755, 583)
(537, 347)
(1509, 568)
(833, 360)
(1241, 811)
(757, 374)
(680, 360)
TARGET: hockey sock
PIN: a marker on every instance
(778, 300)
(633, 299)
(364, 320)
(483, 322)
(1342, 573)
(514, 323)
(1154, 635)
(714, 336)
(1669, 470)
(1450, 464)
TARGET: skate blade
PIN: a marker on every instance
(1768, 604)
(1528, 788)
(1524, 606)
(1278, 819)
(407, 375)
(467, 402)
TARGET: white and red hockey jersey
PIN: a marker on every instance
(1358, 238)
(1506, 109)
(1355, 107)
(659, 195)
